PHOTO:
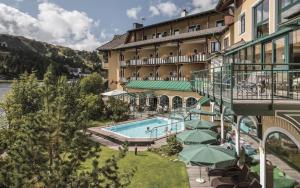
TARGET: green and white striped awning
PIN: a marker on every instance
(160, 85)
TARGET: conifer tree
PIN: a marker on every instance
(46, 141)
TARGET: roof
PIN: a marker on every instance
(160, 85)
(222, 4)
(235, 45)
(114, 93)
(189, 35)
(176, 19)
(260, 40)
(115, 42)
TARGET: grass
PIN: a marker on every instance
(100, 123)
(152, 170)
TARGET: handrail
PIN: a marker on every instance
(270, 82)
(166, 125)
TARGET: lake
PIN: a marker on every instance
(4, 88)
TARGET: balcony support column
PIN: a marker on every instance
(135, 66)
(212, 109)
(222, 108)
(262, 166)
(177, 63)
(237, 120)
(154, 70)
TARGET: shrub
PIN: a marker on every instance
(173, 146)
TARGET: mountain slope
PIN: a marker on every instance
(19, 54)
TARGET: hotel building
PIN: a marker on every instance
(159, 58)
(244, 56)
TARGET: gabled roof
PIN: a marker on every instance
(160, 85)
(223, 4)
(177, 19)
(115, 42)
(189, 35)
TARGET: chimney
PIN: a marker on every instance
(137, 25)
(184, 13)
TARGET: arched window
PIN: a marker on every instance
(282, 146)
(191, 101)
(164, 101)
(177, 102)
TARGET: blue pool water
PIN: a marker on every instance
(149, 128)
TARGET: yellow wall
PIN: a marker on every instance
(247, 8)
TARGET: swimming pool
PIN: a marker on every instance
(149, 128)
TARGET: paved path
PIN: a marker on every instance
(116, 146)
(194, 173)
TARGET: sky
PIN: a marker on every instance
(87, 24)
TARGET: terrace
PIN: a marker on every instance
(263, 88)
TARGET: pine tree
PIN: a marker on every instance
(46, 141)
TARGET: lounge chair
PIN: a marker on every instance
(225, 172)
(231, 181)
(251, 184)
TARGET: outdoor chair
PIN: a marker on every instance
(254, 84)
(231, 181)
(225, 172)
(251, 184)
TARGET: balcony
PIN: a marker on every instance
(251, 88)
(197, 58)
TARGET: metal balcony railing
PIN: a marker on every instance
(166, 60)
(249, 82)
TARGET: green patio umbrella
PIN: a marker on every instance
(208, 155)
(190, 137)
(198, 124)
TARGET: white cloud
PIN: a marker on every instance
(203, 5)
(53, 24)
(165, 8)
(133, 12)
(154, 11)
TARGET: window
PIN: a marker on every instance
(220, 23)
(261, 19)
(243, 24)
(144, 37)
(295, 47)
(279, 51)
(257, 52)
(226, 43)
(267, 53)
(194, 28)
(249, 57)
(243, 55)
(287, 8)
(215, 46)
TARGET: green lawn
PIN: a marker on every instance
(152, 170)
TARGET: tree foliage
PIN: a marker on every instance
(46, 140)
(117, 109)
(173, 146)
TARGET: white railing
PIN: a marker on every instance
(122, 79)
(167, 60)
(135, 78)
(174, 78)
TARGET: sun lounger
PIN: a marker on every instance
(231, 181)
